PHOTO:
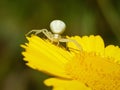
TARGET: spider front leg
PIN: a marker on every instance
(48, 34)
(71, 40)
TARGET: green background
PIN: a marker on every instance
(17, 17)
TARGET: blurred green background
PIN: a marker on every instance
(17, 17)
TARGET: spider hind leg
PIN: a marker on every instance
(71, 40)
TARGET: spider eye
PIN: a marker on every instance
(57, 26)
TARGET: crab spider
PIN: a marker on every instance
(57, 27)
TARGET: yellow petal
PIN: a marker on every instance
(62, 84)
(44, 56)
(88, 44)
(112, 51)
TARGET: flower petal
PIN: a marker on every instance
(112, 51)
(89, 44)
(46, 57)
(62, 84)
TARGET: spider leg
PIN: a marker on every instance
(31, 32)
(71, 40)
(48, 34)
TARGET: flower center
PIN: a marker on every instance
(95, 71)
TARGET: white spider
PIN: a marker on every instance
(57, 27)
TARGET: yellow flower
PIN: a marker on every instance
(95, 67)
